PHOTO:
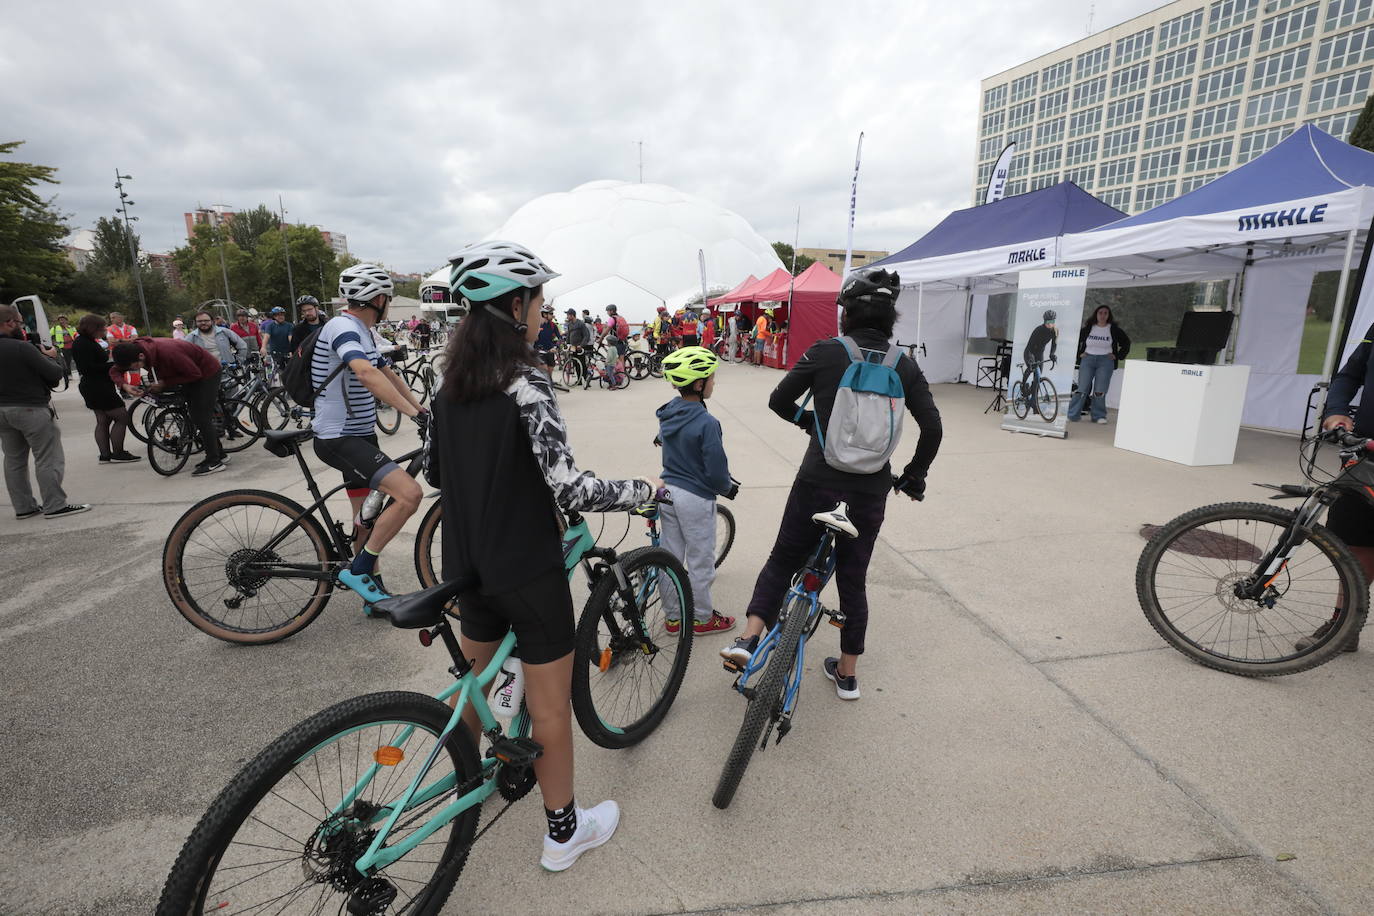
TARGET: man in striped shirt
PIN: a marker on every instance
(351, 375)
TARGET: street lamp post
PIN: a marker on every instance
(124, 205)
(286, 247)
(219, 234)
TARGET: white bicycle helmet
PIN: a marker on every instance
(486, 270)
(362, 283)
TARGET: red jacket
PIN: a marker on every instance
(173, 362)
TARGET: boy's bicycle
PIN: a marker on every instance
(781, 655)
(372, 805)
(1253, 589)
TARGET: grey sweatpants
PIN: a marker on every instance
(32, 429)
(689, 533)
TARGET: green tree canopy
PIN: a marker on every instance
(31, 231)
(314, 270)
(1362, 135)
(110, 248)
(784, 253)
(248, 228)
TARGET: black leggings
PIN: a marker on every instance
(110, 426)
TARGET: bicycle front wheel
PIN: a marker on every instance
(638, 365)
(627, 667)
(223, 579)
(1194, 574)
(140, 419)
(725, 533)
(171, 440)
(284, 835)
(1046, 400)
(240, 425)
(572, 373)
(388, 418)
(428, 546)
(765, 704)
(274, 410)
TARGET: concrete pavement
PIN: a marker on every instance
(1025, 742)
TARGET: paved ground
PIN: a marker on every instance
(1025, 744)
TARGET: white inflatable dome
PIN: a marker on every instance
(634, 245)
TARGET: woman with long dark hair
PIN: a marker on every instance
(500, 450)
(1101, 342)
(93, 362)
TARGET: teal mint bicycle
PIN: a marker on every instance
(372, 805)
(771, 679)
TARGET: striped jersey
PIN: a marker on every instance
(345, 407)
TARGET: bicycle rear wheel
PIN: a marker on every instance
(140, 419)
(284, 835)
(418, 383)
(1190, 571)
(221, 578)
(240, 425)
(765, 704)
(638, 365)
(1020, 405)
(725, 533)
(622, 688)
(171, 440)
(572, 373)
(1046, 400)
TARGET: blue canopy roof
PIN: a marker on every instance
(1308, 163)
(1042, 214)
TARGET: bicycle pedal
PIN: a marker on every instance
(516, 752)
(374, 895)
(732, 666)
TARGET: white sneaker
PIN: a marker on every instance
(594, 827)
(1103, 421)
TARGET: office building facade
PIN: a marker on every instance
(1166, 102)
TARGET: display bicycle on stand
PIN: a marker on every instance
(1039, 396)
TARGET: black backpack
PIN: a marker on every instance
(296, 377)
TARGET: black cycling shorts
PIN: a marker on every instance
(1351, 518)
(540, 612)
(547, 357)
(362, 461)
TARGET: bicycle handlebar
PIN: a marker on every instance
(1346, 439)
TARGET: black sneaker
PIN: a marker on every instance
(122, 458)
(30, 514)
(106, 459)
(203, 469)
(68, 510)
(846, 688)
(738, 653)
(1307, 642)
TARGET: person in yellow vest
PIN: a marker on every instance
(62, 336)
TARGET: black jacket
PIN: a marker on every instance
(1357, 373)
(820, 371)
(1121, 341)
(27, 377)
(301, 331)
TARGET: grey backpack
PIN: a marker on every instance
(866, 421)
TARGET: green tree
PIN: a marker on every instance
(110, 247)
(314, 271)
(784, 253)
(200, 267)
(1363, 133)
(248, 228)
(31, 231)
(408, 288)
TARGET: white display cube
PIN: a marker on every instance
(1183, 413)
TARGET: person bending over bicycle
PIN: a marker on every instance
(176, 362)
(1350, 517)
(1045, 334)
(869, 312)
(499, 448)
(346, 418)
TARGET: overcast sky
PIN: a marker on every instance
(414, 128)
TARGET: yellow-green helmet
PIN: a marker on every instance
(685, 366)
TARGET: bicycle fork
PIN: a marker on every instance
(1259, 587)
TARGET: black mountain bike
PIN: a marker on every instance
(1256, 590)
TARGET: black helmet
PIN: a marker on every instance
(307, 300)
(871, 286)
(611, 308)
(1049, 315)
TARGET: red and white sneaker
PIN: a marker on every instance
(715, 624)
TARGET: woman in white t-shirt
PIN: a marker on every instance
(1101, 342)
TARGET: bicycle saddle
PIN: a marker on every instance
(837, 519)
(282, 442)
(419, 609)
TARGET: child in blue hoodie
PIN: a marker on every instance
(695, 471)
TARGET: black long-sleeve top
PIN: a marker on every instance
(820, 371)
(1357, 373)
(91, 359)
(1035, 347)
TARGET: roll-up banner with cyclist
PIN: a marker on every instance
(1042, 356)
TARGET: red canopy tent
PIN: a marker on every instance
(812, 315)
(732, 296)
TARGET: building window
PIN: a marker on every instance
(1054, 103)
(1049, 131)
(1338, 125)
(1225, 48)
(1056, 75)
(1170, 98)
(1085, 122)
(1278, 105)
(984, 173)
(1130, 79)
(1159, 165)
(1044, 181)
(1020, 164)
(1082, 177)
(1281, 67)
(1152, 195)
(1021, 114)
(1260, 141)
(995, 97)
(1117, 171)
(1050, 158)
(1016, 187)
(1121, 142)
(1345, 50)
(1080, 151)
(1225, 13)
(989, 147)
(1165, 131)
(1126, 110)
(1089, 93)
(1286, 28)
(1134, 47)
(1193, 182)
(1021, 137)
(1338, 91)
(992, 123)
(1219, 119)
(1341, 13)
(1220, 85)
(1121, 199)
(1177, 64)
(1180, 29)
(1024, 87)
(1090, 63)
(1209, 155)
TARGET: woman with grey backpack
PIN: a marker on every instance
(854, 425)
